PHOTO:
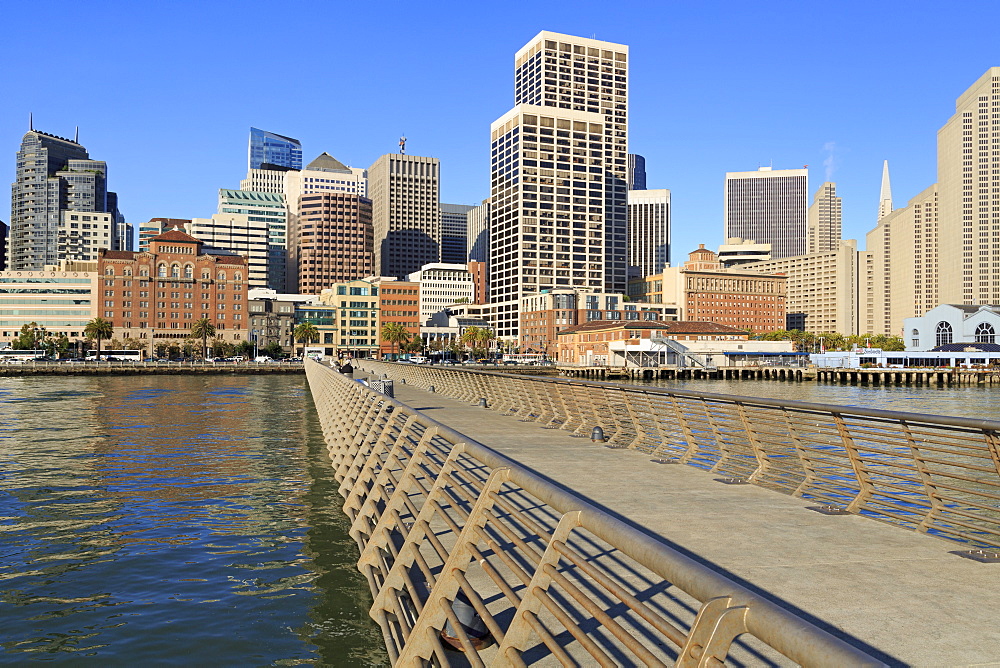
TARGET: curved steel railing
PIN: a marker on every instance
(463, 546)
(934, 474)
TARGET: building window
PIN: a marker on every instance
(943, 334)
(985, 333)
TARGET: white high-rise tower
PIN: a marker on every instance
(558, 174)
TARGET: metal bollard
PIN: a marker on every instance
(597, 435)
(402, 381)
(430, 388)
(482, 402)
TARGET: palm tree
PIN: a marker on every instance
(306, 332)
(98, 328)
(395, 333)
(477, 338)
(202, 329)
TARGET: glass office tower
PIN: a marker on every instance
(269, 148)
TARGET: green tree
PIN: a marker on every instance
(28, 337)
(98, 328)
(306, 333)
(273, 350)
(132, 343)
(202, 328)
(478, 339)
(396, 334)
(244, 348)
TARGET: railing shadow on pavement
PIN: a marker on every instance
(465, 548)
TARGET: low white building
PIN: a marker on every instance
(952, 324)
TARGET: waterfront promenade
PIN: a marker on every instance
(902, 593)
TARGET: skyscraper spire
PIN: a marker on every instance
(76, 135)
(885, 194)
(31, 122)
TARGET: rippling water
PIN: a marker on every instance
(174, 519)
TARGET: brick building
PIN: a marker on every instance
(331, 241)
(705, 291)
(544, 314)
(158, 294)
(399, 301)
(606, 342)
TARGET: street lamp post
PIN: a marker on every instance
(256, 352)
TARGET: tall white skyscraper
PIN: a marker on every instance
(969, 191)
(558, 214)
(824, 227)
(768, 206)
(648, 232)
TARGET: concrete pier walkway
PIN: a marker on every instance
(902, 593)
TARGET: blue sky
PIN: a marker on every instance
(166, 92)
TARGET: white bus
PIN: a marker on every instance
(115, 355)
(11, 356)
(315, 353)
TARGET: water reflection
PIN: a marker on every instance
(143, 519)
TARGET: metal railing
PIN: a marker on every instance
(465, 548)
(933, 474)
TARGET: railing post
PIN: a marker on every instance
(861, 473)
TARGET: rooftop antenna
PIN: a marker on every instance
(402, 145)
(31, 122)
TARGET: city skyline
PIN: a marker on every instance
(172, 136)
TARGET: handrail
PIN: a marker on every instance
(446, 524)
(934, 474)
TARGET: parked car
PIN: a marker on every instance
(262, 358)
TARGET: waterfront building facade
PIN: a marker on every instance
(268, 148)
(406, 213)
(159, 293)
(607, 342)
(769, 206)
(545, 314)
(558, 214)
(824, 220)
(455, 233)
(331, 241)
(272, 317)
(61, 299)
(955, 326)
(54, 178)
(357, 306)
(399, 301)
(648, 232)
(822, 289)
